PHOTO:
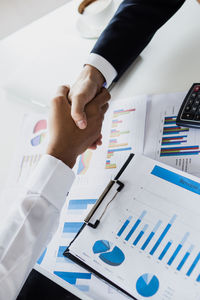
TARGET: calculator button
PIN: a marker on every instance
(190, 101)
(197, 88)
(193, 95)
(188, 116)
(188, 107)
(197, 117)
(197, 101)
(193, 109)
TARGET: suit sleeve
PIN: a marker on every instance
(131, 29)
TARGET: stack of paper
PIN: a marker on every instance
(128, 127)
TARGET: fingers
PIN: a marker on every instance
(59, 103)
(93, 146)
(105, 108)
(102, 98)
(78, 114)
(62, 91)
(98, 142)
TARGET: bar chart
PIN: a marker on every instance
(165, 250)
(185, 257)
(77, 205)
(27, 164)
(151, 235)
(139, 220)
(174, 141)
(176, 146)
(134, 231)
(119, 138)
(40, 260)
(162, 236)
(60, 257)
(75, 278)
(116, 133)
(70, 229)
(121, 112)
(178, 248)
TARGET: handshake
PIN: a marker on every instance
(76, 116)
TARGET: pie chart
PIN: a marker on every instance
(109, 254)
(39, 131)
(147, 285)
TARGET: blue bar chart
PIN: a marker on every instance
(39, 261)
(80, 204)
(70, 229)
(163, 234)
(73, 277)
(151, 235)
(60, 257)
(161, 256)
(134, 230)
(176, 252)
(135, 225)
(198, 278)
(194, 264)
(140, 235)
(124, 226)
(185, 257)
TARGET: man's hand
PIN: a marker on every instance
(82, 92)
(67, 141)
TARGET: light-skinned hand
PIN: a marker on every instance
(67, 141)
(87, 86)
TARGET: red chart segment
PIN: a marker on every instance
(40, 125)
(40, 128)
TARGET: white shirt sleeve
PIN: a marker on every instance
(106, 69)
(32, 223)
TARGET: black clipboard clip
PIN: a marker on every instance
(113, 188)
(99, 209)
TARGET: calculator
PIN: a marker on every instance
(189, 113)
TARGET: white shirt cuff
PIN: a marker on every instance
(52, 179)
(106, 69)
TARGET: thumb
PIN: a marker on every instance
(78, 113)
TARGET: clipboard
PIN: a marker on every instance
(149, 213)
(93, 220)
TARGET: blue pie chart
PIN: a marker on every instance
(110, 255)
(147, 285)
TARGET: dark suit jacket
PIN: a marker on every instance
(132, 28)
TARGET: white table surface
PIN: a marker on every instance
(50, 52)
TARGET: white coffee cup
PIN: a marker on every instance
(95, 18)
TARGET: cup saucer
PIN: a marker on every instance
(87, 31)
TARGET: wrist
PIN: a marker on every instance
(94, 75)
(67, 158)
